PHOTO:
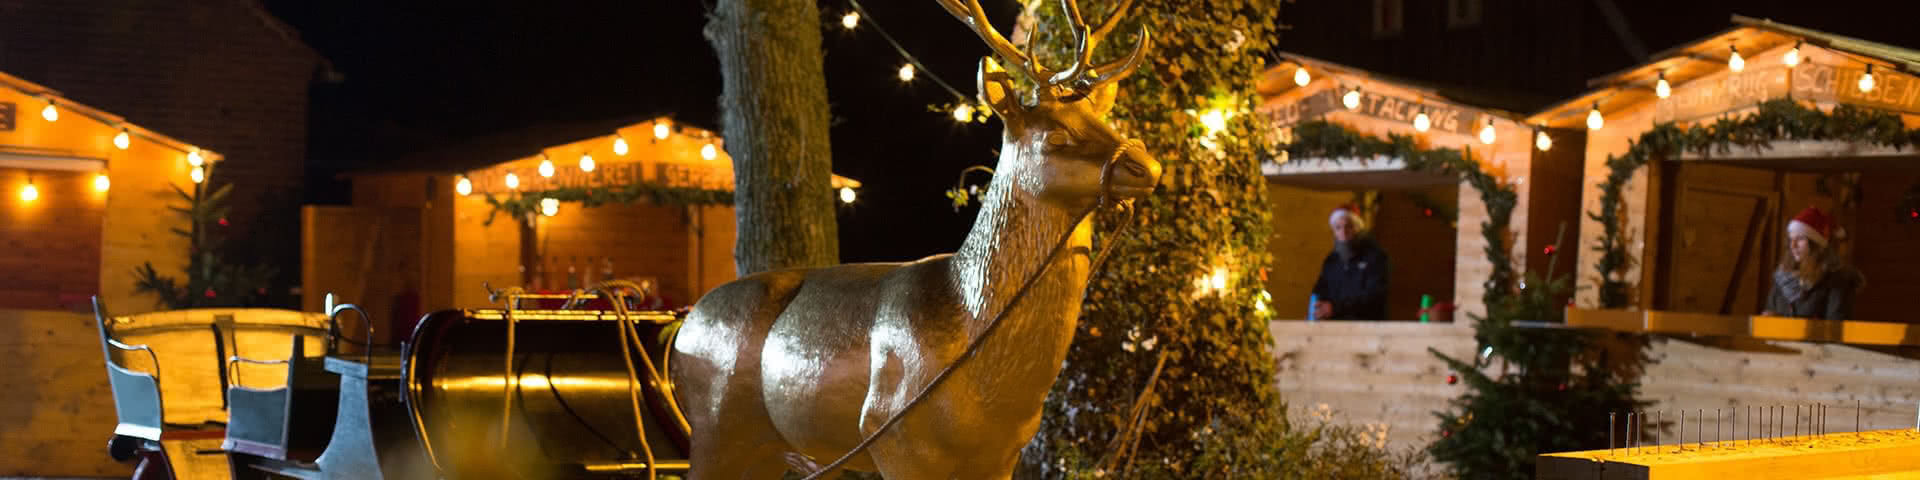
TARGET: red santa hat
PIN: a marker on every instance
(1349, 210)
(1813, 224)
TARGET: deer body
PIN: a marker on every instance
(793, 368)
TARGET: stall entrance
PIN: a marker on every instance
(1413, 222)
(1721, 233)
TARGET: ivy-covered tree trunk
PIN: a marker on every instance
(773, 107)
(1185, 280)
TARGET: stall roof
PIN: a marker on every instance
(1634, 85)
(1279, 79)
(69, 107)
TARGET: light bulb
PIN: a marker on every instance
(586, 162)
(1866, 80)
(963, 113)
(513, 181)
(29, 193)
(193, 158)
(549, 206)
(1661, 88)
(709, 151)
(1219, 278)
(1792, 58)
(1351, 99)
(846, 195)
(546, 166)
(661, 130)
(1300, 77)
(51, 113)
(850, 20)
(101, 183)
(1594, 122)
(1734, 62)
(906, 73)
(1487, 133)
(122, 140)
(1421, 122)
(619, 145)
(464, 186)
(1215, 120)
(199, 174)
(1542, 141)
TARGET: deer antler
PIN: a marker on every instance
(1083, 76)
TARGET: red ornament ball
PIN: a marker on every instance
(1446, 433)
(1563, 387)
(1913, 214)
(1549, 250)
(1452, 379)
(1426, 212)
(210, 293)
(223, 221)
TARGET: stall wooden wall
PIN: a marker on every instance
(644, 241)
(1381, 373)
(50, 247)
(1886, 249)
(59, 409)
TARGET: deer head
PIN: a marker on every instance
(1057, 141)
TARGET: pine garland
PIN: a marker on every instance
(528, 203)
(1775, 120)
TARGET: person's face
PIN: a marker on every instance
(1344, 229)
(1800, 245)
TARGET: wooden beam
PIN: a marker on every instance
(1835, 455)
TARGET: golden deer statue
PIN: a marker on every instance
(792, 368)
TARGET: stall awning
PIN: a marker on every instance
(1353, 174)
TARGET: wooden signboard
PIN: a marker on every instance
(6, 116)
(1446, 118)
(1734, 91)
(1900, 93)
(606, 175)
(1826, 83)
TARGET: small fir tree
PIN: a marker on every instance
(211, 281)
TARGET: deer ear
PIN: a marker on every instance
(1103, 97)
(996, 90)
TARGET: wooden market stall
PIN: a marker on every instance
(1699, 229)
(86, 201)
(1426, 220)
(549, 208)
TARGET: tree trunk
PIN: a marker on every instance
(773, 111)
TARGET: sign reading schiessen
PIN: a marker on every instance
(605, 175)
(1444, 117)
(1825, 83)
(6, 116)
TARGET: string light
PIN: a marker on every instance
(1734, 62)
(850, 20)
(709, 151)
(122, 140)
(546, 166)
(661, 130)
(1300, 77)
(513, 181)
(1866, 80)
(1542, 141)
(1214, 120)
(194, 159)
(51, 113)
(199, 174)
(906, 73)
(962, 113)
(549, 206)
(846, 194)
(29, 193)
(1351, 99)
(101, 183)
(1792, 58)
(463, 186)
(1421, 122)
(1594, 121)
(619, 145)
(586, 162)
(1487, 133)
(1661, 88)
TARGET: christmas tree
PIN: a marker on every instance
(211, 281)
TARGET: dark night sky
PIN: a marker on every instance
(421, 76)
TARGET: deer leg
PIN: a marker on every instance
(717, 363)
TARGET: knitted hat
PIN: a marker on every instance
(1813, 224)
(1352, 212)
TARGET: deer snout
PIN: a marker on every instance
(1135, 173)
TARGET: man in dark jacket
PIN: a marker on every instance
(1353, 278)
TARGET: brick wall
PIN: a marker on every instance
(209, 72)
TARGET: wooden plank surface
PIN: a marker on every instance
(59, 409)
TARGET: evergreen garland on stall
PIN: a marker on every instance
(521, 205)
(1775, 120)
(211, 280)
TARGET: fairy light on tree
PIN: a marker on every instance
(906, 73)
(963, 113)
(850, 20)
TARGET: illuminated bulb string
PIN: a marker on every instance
(913, 68)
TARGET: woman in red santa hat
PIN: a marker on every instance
(1811, 282)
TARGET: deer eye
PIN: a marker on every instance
(1060, 138)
